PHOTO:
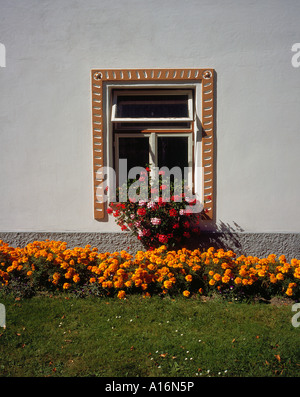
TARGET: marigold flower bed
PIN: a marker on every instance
(52, 266)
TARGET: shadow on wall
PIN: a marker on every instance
(218, 236)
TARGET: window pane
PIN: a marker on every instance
(156, 125)
(173, 152)
(152, 106)
(135, 150)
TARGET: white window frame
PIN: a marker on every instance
(161, 92)
(196, 177)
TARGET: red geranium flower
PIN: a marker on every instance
(163, 238)
(141, 211)
(173, 212)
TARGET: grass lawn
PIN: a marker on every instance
(63, 337)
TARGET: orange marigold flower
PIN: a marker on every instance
(168, 284)
(76, 278)
(121, 294)
(225, 279)
(238, 280)
(217, 277)
(189, 278)
(66, 285)
(186, 293)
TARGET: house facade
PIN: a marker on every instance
(209, 86)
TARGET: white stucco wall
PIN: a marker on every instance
(46, 181)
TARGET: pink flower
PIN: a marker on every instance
(155, 221)
(142, 202)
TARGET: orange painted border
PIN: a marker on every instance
(206, 76)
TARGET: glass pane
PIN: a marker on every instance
(135, 150)
(152, 106)
(172, 152)
(156, 125)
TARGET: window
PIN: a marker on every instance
(153, 127)
(158, 117)
(162, 106)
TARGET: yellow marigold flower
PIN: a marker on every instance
(92, 280)
(211, 272)
(121, 294)
(280, 276)
(128, 283)
(212, 282)
(66, 285)
(189, 278)
(186, 293)
(245, 281)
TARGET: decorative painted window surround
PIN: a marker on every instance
(103, 81)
